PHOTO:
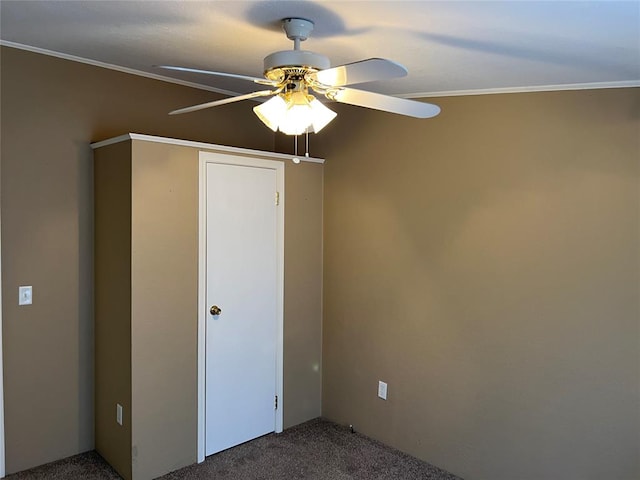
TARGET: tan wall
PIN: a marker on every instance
(51, 110)
(302, 292)
(146, 259)
(164, 278)
(485, 264)
(112, 297)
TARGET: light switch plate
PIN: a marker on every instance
(382, 390)
(25, 295)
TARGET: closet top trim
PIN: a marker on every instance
(204, 146)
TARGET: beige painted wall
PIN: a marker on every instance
(164, 308)
(302, 292)
(146, 259)
(485, 264)
(112, 298)
(51, 110)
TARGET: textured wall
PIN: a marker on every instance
(485, 264)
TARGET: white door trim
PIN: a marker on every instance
(229, 159)
(2, 459)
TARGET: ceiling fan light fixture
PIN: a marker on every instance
(294, 113)
(298, 117)
(291, 73)
(271, 112)
(321, 115)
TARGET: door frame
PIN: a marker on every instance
(2, 445)
(206, 157)
(2, 449)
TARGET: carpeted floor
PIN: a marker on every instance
(316, 450)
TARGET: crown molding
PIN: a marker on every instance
(131, 71)
(247, 152)
(448, 93)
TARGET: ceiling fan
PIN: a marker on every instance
(291, 74)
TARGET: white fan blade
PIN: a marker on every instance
(360, 72)
(386, 103)
(262, 81)
(215, 103)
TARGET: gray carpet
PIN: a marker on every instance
(316, 450)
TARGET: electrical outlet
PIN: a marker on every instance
(382, 390)
(119, 413)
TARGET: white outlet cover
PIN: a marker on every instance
(382, 390)
(25, 295)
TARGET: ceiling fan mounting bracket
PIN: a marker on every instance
(285, 62)
(297, 28)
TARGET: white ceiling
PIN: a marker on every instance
(449, 47)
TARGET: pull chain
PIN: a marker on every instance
(307, 146)
(295, 158)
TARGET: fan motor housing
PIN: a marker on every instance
(303, 59)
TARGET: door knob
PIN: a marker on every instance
(215, 310)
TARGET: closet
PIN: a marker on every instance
(149, 407)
